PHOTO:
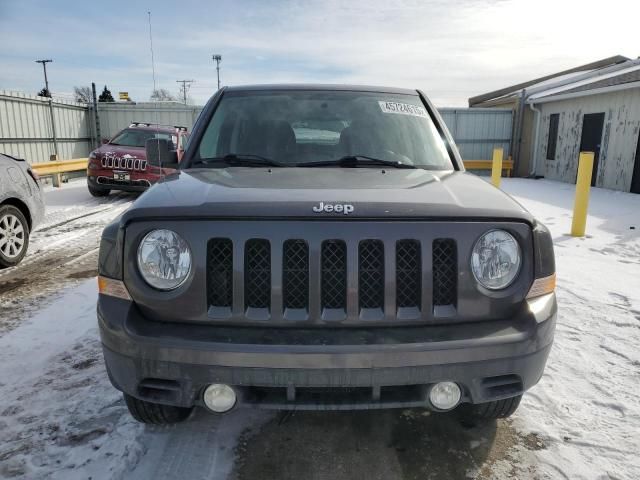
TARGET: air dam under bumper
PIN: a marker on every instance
(320, 368)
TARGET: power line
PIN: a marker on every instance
(186, 84)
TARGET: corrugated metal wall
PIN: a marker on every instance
(116, 116)
(25, 127)
(619, 137)
(477, 131)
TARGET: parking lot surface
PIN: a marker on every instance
(60, 418)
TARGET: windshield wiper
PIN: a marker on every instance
(242, 160)
(356, 161)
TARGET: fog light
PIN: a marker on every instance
(219, 397)
(444, 395)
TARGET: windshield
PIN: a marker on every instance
(137, 138)
(294, 128)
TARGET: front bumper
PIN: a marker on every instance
(103, 180)
(321, 368)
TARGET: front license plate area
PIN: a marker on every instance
(122, 176)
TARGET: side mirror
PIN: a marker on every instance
(105, 140)
(160, 153)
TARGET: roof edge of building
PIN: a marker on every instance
(613, 60)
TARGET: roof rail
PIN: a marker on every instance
(147, 124)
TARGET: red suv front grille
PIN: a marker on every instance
(121, 163)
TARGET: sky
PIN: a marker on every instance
(452, 50)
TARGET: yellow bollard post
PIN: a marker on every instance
(496, 168)
(583, 187)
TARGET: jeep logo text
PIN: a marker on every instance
(345, 208)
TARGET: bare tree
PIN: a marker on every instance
(82, 94)
(162, 95)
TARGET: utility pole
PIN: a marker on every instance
(95, 115)
(217, 58)
(53, 121)
(44, 67)
(185, 87)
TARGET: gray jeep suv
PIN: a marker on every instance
(321, 247)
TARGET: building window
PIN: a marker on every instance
(553, 136)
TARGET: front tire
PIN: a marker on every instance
(155, 413)
(482, 412)
(14, 236)
(98, 192)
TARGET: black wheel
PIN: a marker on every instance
(98, 192)
(155, 413)
(14, 236)
(491, 410)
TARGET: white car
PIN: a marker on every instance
(21, 208)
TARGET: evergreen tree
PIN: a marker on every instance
(106, 96)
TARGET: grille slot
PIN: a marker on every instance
(371, 273)
(445, 272)
(334, 274)
(408, 274)
(220, 272)
(295, 273)
(257, 274)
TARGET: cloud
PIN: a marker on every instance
(452, 50)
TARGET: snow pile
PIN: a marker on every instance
(586, 407)
(59, 416)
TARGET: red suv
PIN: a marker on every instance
(121, 163)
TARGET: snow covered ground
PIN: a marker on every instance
(61, 419)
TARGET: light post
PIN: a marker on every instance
(53, 121)
(217, 58)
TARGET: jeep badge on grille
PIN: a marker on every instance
(344, 208)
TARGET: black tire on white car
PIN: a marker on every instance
(155, 413)
(14, 236)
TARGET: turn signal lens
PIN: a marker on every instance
(113, 288)
(542, 286)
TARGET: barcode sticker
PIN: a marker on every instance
(402, 109)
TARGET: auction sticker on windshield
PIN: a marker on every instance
(402, 109)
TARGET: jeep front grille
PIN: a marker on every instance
(367, 279)
(123, 163)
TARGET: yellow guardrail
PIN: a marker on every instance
(58, 167)
(507, 165)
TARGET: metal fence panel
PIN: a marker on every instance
(477, 131)
(116, 116)
(25, 127)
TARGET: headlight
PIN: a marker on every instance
(164, 259)
(495, 260)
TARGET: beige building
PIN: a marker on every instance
(528, 121)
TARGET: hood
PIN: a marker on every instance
(119, 151)
(373, 193)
